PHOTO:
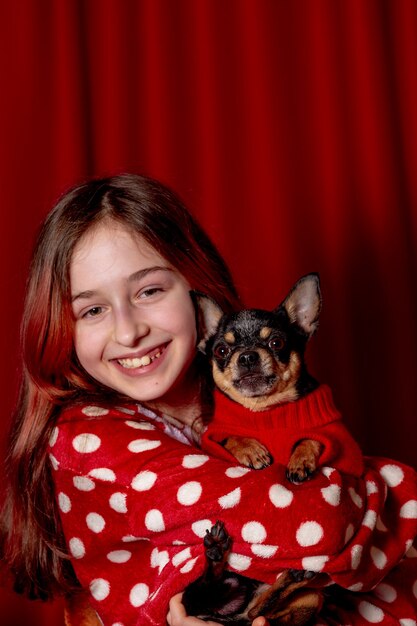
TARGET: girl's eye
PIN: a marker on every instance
(276, 343)
(93, 312)
(151, 291)
(222, 351)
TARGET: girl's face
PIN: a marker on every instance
(135, 327)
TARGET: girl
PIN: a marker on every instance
(108, 315)
(108, 492)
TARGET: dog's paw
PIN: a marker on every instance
(304, 461)
(249, 452)
(217, 542)
(299, 474)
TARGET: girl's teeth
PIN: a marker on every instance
(138, 362)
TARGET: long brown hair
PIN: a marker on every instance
(32, 542)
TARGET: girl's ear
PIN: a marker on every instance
(208, 314)
(303, 303)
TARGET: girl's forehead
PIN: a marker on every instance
(110, 238)
(110, 253)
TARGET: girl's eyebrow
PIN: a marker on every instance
(135, 277)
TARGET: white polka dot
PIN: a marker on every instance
(54, 436)
(380, 525)
(392, 474)
(117, 502)
(139, 594)
(356, 555)
(408, 622)
(356, 498)
(64, 502)
(263, 550)
(385, 592)
(86, 442)
(369, 519)
(94, 411)
(239, 562)
(191, 461)
(99, 589)
(370, 612)
(188, 566)
(143, 445)
(182, 556)
(140, 425)
(371, 487)
(130, 538)
(54, 462)
(95, 522)
(314, 563)
(331, 494)
(144, 480)
(356, 587)
(350, 531)
(280, 496)
(327, 471)
(82, 483)
(236, 472)
(103, 473)
(76, 548)
(117, 624)
(415, 588)
(409, 510)
(253, 532)
(154, 521)
(119, 556)
(159, 558)
(411, 552)
(189, 493)
(231, 499)
(379, 558)
(309, 534)
(199, 528)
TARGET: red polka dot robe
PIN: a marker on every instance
(135, 504)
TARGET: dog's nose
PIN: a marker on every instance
(248, 359)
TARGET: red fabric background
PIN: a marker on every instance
(290, 130)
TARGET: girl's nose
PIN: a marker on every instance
(129, 327)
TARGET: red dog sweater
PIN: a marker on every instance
(280, 428)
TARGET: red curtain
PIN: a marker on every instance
(290, 130)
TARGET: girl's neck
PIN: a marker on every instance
(190, 403)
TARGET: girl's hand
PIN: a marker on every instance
(178, 617)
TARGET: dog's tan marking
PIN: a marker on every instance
(229, 337)
(284, 391)
(288, 601)
(265, 332)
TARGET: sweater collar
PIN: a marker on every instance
(315, 409)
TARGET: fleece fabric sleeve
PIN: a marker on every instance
(135, 505)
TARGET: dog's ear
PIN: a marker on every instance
(303, 303)
(208, 314)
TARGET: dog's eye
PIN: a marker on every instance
(222, 351)
(276, 343)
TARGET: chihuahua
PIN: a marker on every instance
(267, 393)
(258, 365)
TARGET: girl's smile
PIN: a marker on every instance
(135, 328)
